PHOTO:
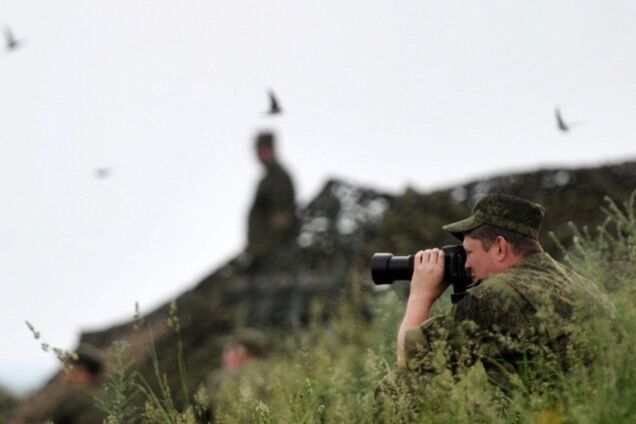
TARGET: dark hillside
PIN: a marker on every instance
(414, 220)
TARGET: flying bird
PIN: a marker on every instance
(101, 173)
(562, 125)
(11, 42)
(274, 106)
(560, 122)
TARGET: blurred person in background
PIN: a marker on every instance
(241, 368)
(77, 406)
(272, 217)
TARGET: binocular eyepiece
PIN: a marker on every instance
(387, 268)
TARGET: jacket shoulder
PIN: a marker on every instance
(495, 303)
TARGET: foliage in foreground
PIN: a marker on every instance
(330, 373)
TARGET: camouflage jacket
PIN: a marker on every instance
(77, 407)
(521, 322)
(272, 215)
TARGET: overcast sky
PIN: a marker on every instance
(167, 96)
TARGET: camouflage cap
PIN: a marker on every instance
(253, 340)
(504, 211)
(90, 357)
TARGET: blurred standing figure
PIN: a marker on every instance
(84, 379)
(272, 217)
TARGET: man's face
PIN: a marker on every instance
(265, 155)
(235, 357)
(480, 263)
(80, 375)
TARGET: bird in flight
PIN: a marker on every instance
(561, 125)
(274, 106)
(11, 42)
(101, 173)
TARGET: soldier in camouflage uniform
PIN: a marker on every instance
(523, 315)
(242, 364)
(272, 216)
(77, 406)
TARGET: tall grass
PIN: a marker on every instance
(331, 372)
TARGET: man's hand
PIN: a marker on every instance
(428, 273)
(427, 286)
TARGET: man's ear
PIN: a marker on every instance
(502, 246)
